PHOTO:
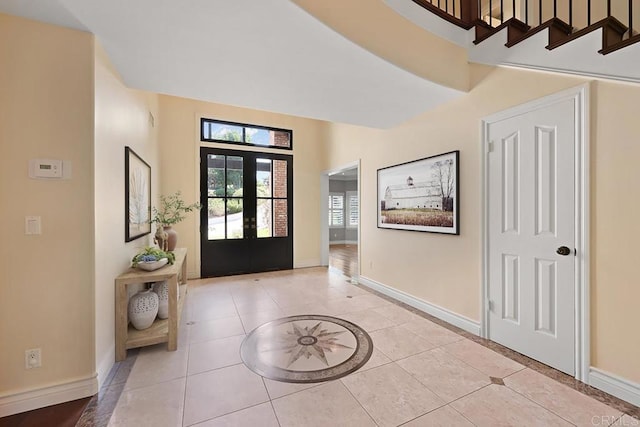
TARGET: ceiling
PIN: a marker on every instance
(345, 175)
(267, 55)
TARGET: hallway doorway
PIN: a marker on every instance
(340, 231)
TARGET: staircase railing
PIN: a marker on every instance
(577, 14)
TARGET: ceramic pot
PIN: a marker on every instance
(162, 289)
(166, 238)
(143, 308)
(153, 265)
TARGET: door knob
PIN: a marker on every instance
(563, 250)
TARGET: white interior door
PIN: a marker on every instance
(531, 234)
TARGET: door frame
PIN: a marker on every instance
(197, 144)
(324, 211)
(580, 97)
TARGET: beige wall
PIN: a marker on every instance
(615, 229)
(46, 281)
(121, 119)
(48, 298)
(179, 168)
(446, 270)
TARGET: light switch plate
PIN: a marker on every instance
(32, 225)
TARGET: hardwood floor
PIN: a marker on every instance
(344, 258)
(62, 415)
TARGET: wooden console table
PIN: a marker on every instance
(162, 330)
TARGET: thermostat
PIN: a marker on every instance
(46, 168)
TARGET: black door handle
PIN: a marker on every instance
(563, 250)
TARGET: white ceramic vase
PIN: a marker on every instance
(162, 289)
(143, 308)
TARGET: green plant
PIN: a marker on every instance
(172, 209)
(152, 254)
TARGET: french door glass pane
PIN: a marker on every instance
(235, 219)
(234, 176)
(263, 177)
(216, 218)
(264, 218)
(280, 178)
(281, 219)
(216, 184)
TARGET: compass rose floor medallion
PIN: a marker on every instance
(306, 349)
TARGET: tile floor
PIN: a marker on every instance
(420, 373)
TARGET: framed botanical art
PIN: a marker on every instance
(421, 195)
(137, 196)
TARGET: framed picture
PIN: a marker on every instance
(137, 196)
(421, 195)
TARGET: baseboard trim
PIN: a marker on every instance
(343, 242)
(105, 365)
(432, 309)
(305, 263)
(47, 396)
(615, 385)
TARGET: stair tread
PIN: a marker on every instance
(560, 33)
(511, 23)
(620, 45)
(553, 22)
(610, 22)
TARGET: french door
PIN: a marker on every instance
(246, 220)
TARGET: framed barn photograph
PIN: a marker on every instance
(421, 195)
(137, 196)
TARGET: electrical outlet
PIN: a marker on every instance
(32, 358)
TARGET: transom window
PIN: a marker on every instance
(244, 134)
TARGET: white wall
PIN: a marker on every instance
(121, 119)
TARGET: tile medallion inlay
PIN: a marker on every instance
(306, 349)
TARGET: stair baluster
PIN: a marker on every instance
(571, 13)
(630, 18)
(540, 12)
(490, 13)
